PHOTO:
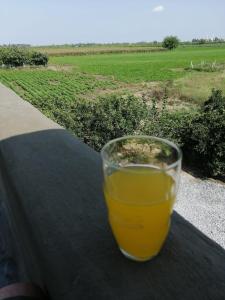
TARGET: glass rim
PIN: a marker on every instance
(165, 141)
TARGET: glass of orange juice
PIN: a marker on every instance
(141, 177)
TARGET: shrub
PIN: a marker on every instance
(38, 59)
(17, 57)
(13, 57)
(201, 134)
(98, 122)
(170, 42)
(171, 125)
(204, 143)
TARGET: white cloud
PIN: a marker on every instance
(158, 8)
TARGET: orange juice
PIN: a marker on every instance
(140, 201)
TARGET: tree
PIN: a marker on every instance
(202, 41)
(170, 42)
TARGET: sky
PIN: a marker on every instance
(42, 22)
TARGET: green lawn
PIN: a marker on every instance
(140, 67)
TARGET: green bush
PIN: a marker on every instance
(17, 57)
(201, 134)
(38, 59)
(170, 125)
(13, 57)
(204, 142)
(98, 122)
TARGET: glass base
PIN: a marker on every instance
(134, 258)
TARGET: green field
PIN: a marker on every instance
(46, 88)
(141, 67)
(71, 77)
(93, 97)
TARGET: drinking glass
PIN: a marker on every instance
(141, 177)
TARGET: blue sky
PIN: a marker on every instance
(66, 21)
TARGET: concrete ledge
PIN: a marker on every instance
(53, 184)
(18, 116)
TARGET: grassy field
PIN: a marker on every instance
(196, 87)
(141, 67)
(71, 77)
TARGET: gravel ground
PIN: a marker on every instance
(202, 202)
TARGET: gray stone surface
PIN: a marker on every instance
(53, 187)
(202, 202)
(58, 205)
(18, 116)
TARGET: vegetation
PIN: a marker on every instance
(38, 59)
(204, 143)
(100, 121)
(195, 87)
(46, 88)
(18, 57)
(209, 41)
(101, 49)
(13, 57)
(199, 133)
(141, 67)
(140, 47)
(170, 42)
(206, 67)
(61, 91)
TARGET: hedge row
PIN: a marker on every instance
(17, 57)
(200, 134)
